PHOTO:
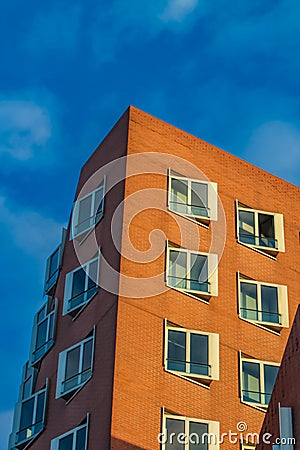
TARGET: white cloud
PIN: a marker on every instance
(177, 10)
(6, 418)
(25, 128)
(29, 230)
(275, 146)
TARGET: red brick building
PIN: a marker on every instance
(168, 302)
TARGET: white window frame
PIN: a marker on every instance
(55, 442)
(50, 311)
(212, 270)
(262, 392)
(213, 353)
(91, 221)
(69, 284)
(278, 230)
(18, 411)
(62, 359)
(212, 193)
(50, 281)
(213, 430)
(282, 296)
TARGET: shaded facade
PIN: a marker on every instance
(169, 301)
(282, 421)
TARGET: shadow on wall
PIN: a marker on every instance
(118, 444)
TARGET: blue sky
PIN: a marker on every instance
(228, 72)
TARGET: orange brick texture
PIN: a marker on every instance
(141, 385)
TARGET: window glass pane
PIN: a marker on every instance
(27, 388)
(249, 306)
(179, 196)
(199, 273)
(270, 374)
(40, 408)
(99, 203)
(72, 368)
(51, 326)
(246, 227)
(81, 439)
(66, 443)
(54, 263)
(269, 301)
(78, 288)
(266, 230)
(176, 351)
(196, 438)
(251, 382)
(177, 427)
(199, 354)
(87, 359)
(177, 269)
(84, 214)
(41, 314)
(41, 336)
(27, 414)
(92, 286)
(199, 198)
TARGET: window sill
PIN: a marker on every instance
(191, 379)
(264, 326)
(198, 220)
(272, 254)
(201, 296)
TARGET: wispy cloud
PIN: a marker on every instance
(29, 230)
(178, 10)
(275, 146)
(25, 128)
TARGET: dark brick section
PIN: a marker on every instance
(287, 388)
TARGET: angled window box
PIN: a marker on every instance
(264, 304)
(53, 266)
(192, 272)
(194, 199)
(75, 439)
(87, 212)
(75, 367)
(257, 381)
(43, 331)
(81, 285)
(260, 230)
(191, 354)
(186, 433)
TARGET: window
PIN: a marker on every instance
(183, 433)
(193, 198)
(28, 381)
(258, 378)
(43, 331)
(192, 272)
(88, 211)
(192, 354)
(263, 303)
(75, 367)
(53, 266)
(29, 418)
(81, 285)
(75, 439)
(260, 229)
